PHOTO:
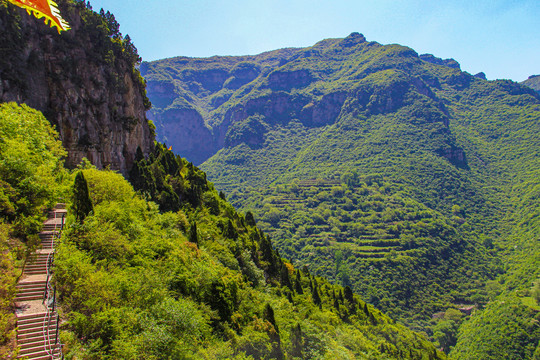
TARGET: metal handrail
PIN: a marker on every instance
(50, 303)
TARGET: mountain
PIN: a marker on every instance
(164, 266)
(395, 173)
(84, 82)
(533, 82)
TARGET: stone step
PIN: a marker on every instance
(35, 272)
(48, 234)
(37, 264)
(31, 320)
(35, 332)
(31, 316)
(38, 325)
(33, 339)
(38, 342)
(49, 227)
(33, 352)
(58, 213)
(39, 356)
(31, 291)
(31, 284)
(30, 335)
(29, 297)
(35, 268)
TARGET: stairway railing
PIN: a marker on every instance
(54, 350)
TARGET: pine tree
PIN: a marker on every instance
(298, 283)
(315, 294)
(230, 231)
(285, 279)
(297, 343)
(250, 220)
(349, 296)
(193, 235)
(82, 204)
(268, 315)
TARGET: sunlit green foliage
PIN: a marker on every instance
(134, 284)
(31, 176)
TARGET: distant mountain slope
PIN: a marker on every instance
(533, 82)
(451, 152)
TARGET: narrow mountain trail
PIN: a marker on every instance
(37, 319)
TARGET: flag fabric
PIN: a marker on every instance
(47, 9)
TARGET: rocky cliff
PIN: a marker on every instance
(204, 105)
(83, 80)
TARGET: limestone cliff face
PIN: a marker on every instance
(82, 80)
(205, 105)
(185, 131)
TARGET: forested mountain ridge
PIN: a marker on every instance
(166, 267)
(395, 173)
(85, 81)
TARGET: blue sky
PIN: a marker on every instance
(498, 37)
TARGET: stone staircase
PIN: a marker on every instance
(33, 339)
(37, 320)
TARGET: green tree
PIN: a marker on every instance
(82, 205)
(536, 291)
(193, 235)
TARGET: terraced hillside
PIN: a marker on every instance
(354, 229)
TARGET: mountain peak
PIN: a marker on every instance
(353, 39)
(438, 61)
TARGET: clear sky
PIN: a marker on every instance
(499, 37)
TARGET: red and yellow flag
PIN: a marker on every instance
(47, 9)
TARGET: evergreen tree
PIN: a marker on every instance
(349, 296)
(298, 283)
(268, 315)
(315, 294)
(82, 204)
(250, 220)
(297, 342)
(230, 231)
(285, 279)
(193, 235)
(222, 196)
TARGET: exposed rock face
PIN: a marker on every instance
(204, 105)
(185, 129)
(81, 82)
(533, 82)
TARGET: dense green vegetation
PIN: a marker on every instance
(367, 233)
(31, 175)
(202, 281)
(450, 219)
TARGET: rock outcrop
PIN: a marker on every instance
(205, 105)
(83, 80)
